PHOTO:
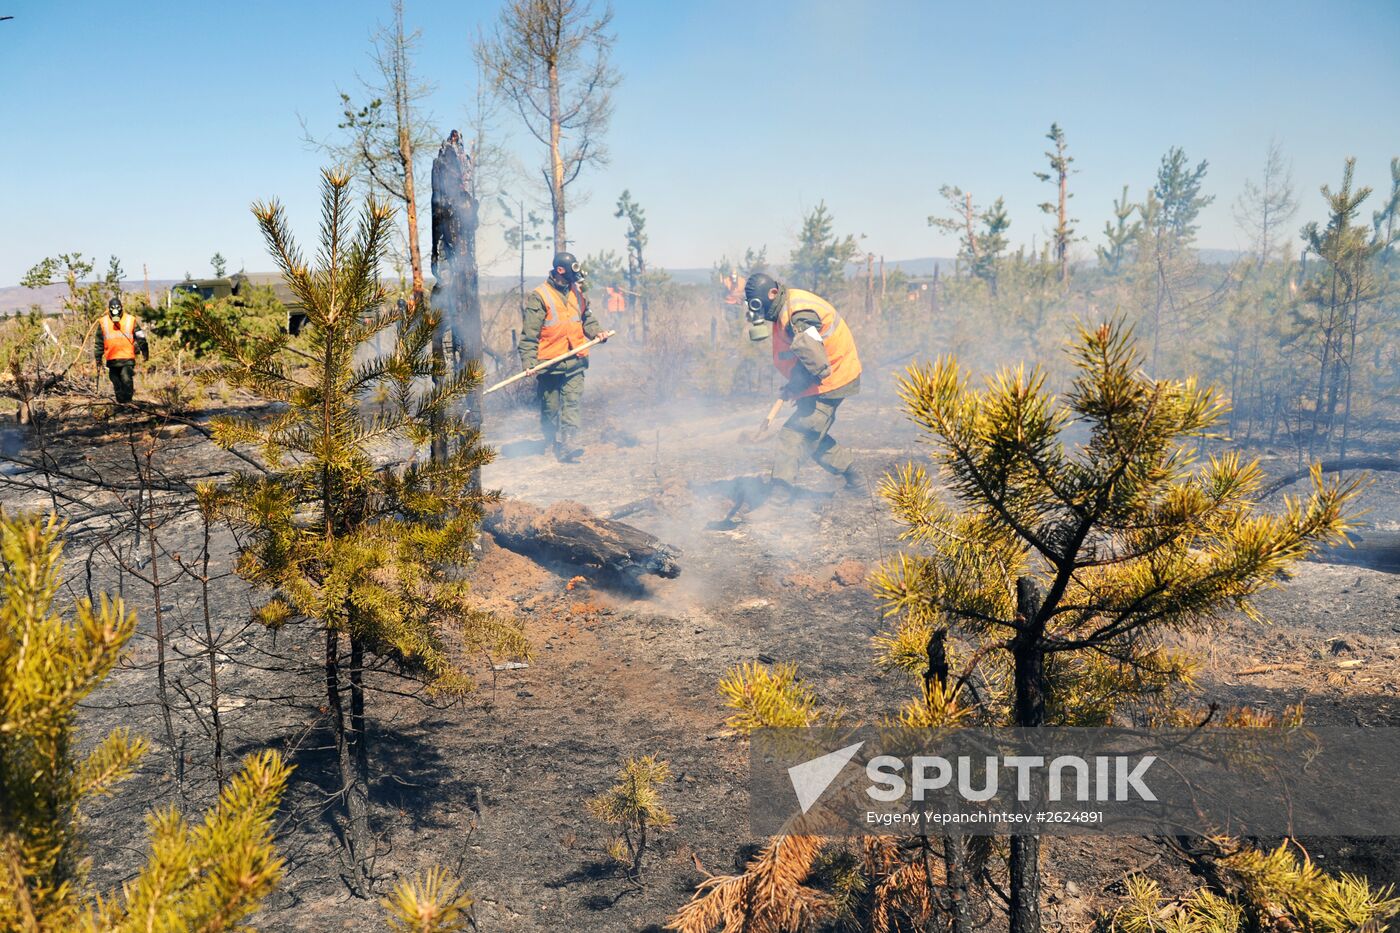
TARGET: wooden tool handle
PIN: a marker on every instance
(772, 414)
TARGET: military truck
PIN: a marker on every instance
(230, 287)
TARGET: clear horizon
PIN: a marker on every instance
(146, 132)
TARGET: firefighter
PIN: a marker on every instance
(119, 337)
(816, 352)
(557, 319)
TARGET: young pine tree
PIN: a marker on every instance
(1119, 234)
(1262, 890)
(819, 261)
(344, 534)
(433, 901)
(1058, 556)
(1330, 315)
(1169, 221)
(979, 250)
(207, 877)
(629, 210)
(633, 805)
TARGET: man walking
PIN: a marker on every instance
(118, 339)
(816, 352)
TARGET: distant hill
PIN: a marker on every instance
(16, 298)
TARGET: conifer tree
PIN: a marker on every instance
(433, 901)
(1178, 193)
(1059, 208)
(980, 250)
(1330, 314)
(205, 878)
(1265, 206)
(1058, 556)
(1119, 234)
(1383, 220)
(1165, 235)
(634, 805)
(993, 242)
(962, 214)
(636, 217)
(365, 547)
(819, 261)
(1263, 891)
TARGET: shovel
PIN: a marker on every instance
(755, 437)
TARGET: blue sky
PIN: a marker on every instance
(145, 129)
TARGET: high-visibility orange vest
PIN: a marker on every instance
(834, 334)
(563, 322)
(118, 339)
(617, 302)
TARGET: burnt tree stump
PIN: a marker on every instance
(456, 290)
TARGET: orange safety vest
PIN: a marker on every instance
(617, 302)
(119, 339)
(835, 336)
(563, 322)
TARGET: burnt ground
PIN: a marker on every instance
(494, 787)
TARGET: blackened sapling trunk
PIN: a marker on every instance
(1028, 656)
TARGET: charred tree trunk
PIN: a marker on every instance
(1028, 652)
(955, 866)
(211, 654)
(954, 847)
(359, 737)
(455, 220)
(353, 793)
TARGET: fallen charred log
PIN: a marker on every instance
(570, 532)
(1369, 548)
(1384, 464)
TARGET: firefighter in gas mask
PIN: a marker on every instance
(815, 351)
(557, 319)
(118, 338)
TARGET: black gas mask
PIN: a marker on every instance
(567, 270)
(760, 297)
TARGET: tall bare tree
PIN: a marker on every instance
(1059, 209)
(1265, 206)
(549, 58)
(382, 138)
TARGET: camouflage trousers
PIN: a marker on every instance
(559, 395)
(806, 434)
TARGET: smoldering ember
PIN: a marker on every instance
(448, 439)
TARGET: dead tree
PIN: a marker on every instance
(456, 293)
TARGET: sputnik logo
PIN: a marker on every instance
(811, 778)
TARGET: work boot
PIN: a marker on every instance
(566, 449)
(855, 479)
(780, 493)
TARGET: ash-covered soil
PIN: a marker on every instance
(494, 787)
